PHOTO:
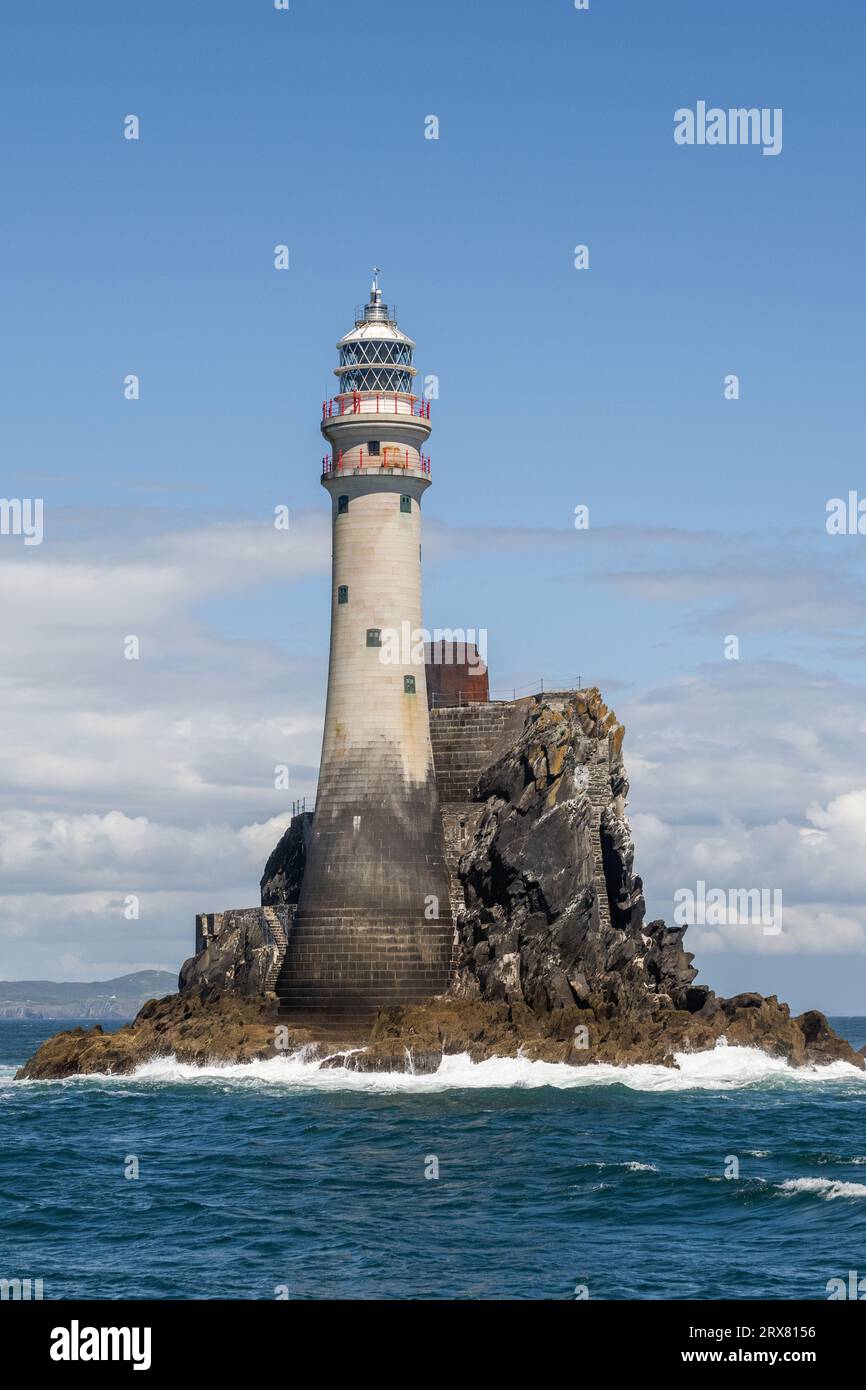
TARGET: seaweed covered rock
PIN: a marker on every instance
(199, 1029)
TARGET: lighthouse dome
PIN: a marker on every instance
(375, 355)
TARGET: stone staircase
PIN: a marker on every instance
(340, 969)
(599, 795)
(465, 739)
(281, 940)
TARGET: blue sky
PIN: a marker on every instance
(557, 387)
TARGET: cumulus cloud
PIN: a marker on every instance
(755, 778)
(155, 776)
(126, 853)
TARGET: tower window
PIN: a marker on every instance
(374, 637)
(342, 505)
(405, 504)
(374, 446)
(343, 593)
(408, 685)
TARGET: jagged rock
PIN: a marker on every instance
(198, 1029)
(237, 961)
(534, 934)
(822, 1044)
(284, 871)
(545, 924)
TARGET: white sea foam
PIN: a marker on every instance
(632, 1166)
(826, 1188)
(722, 1069)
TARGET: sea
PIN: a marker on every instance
(732, 1176)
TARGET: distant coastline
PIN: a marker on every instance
(119, 998)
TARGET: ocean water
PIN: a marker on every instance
(279, 1179)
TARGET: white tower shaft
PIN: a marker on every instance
(374, 920)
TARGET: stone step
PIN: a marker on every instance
(409, 935)
(334, 960)
(380, 950)
(407, 931)
(382, 960)
(374, 1000)
(278, 932)
(316, 979)
(324, 914)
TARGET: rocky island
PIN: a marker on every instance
(553, 958)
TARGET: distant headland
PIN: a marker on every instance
(120, 998)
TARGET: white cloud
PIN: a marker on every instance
(64, 853)
(154, 776)
(756, 779)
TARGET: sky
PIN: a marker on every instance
(559, 387)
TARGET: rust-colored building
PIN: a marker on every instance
(456, 674)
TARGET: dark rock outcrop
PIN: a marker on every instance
(284, 871)
(545, 924)
(242, 958)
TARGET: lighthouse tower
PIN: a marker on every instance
(373, 926)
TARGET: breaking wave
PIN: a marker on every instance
(827, 1188)
(724, 1068)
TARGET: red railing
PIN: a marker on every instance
(389, 458)
(376, 403)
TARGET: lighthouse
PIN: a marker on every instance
(373, 926)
